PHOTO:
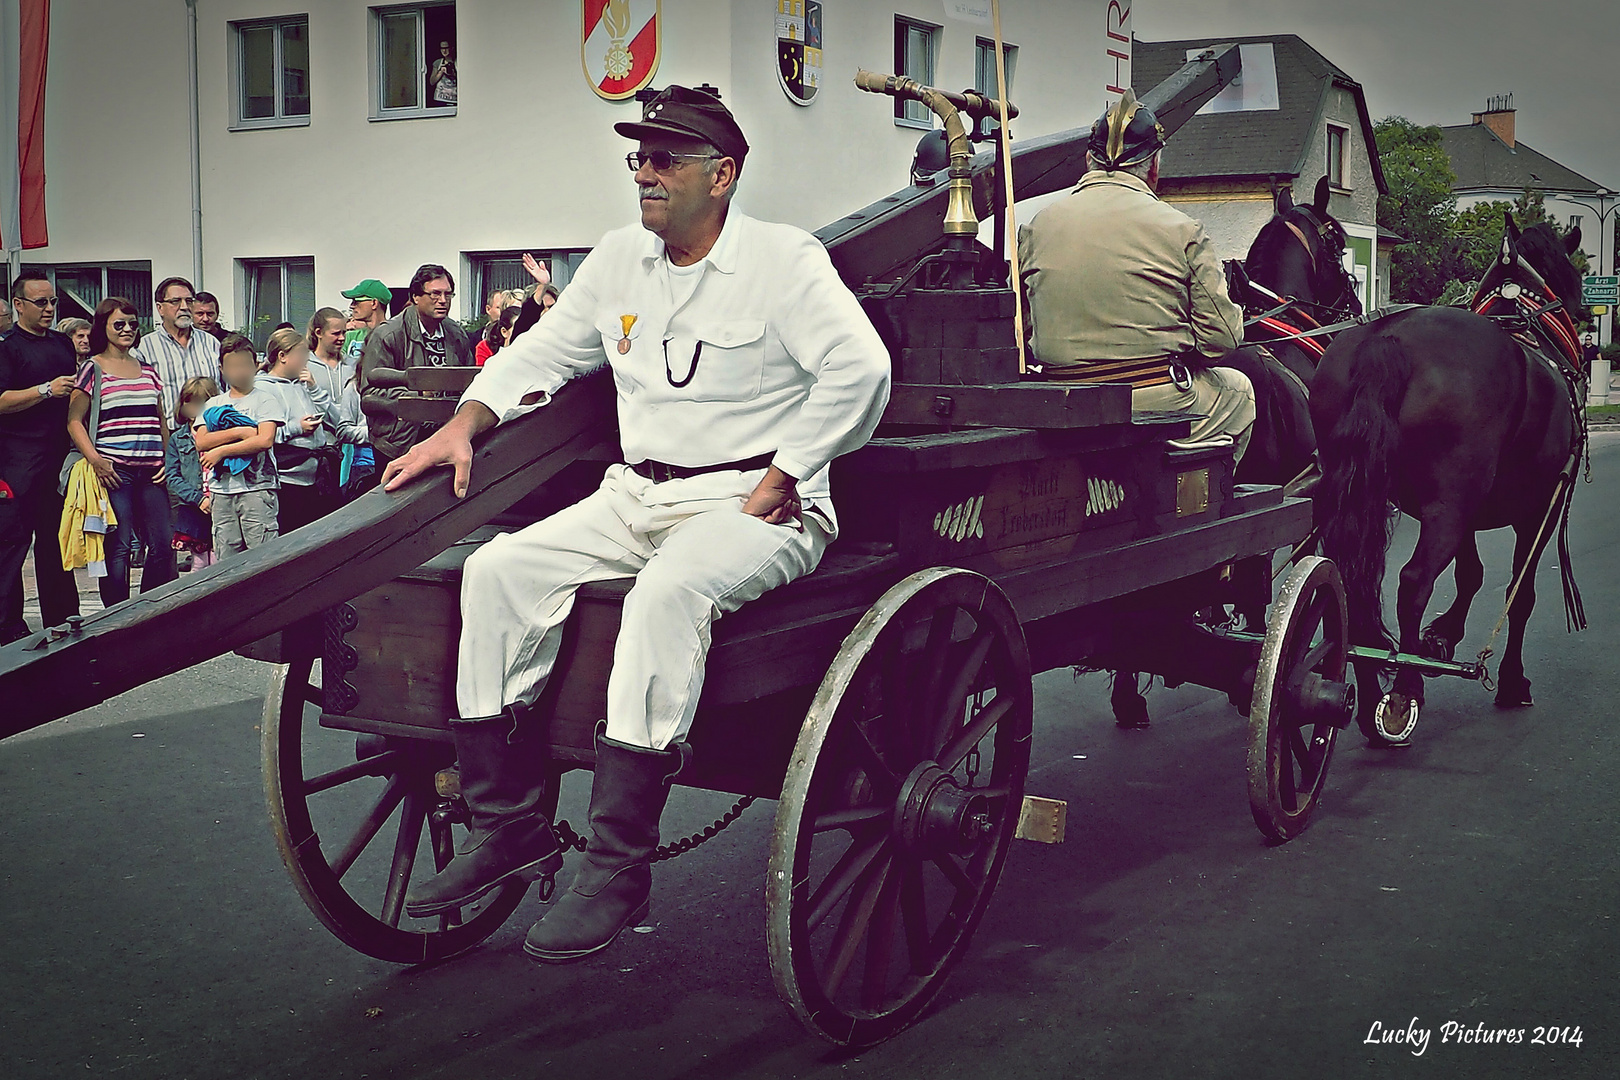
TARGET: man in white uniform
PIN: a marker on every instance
(743, 366)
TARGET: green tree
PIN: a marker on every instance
(1419, 207)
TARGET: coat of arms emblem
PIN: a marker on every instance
(798, 48)
(620, 44)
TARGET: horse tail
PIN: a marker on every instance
(1353, 501)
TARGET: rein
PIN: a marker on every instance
(1548, 335)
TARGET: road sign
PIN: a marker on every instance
(1600, 289)
(1600, 309)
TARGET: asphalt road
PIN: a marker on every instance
(1468, 880)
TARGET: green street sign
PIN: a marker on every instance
(1600, 289)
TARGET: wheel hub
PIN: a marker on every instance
(1316, 700)
(935, 815)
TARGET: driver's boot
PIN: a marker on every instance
(612, 888)
(511, 839)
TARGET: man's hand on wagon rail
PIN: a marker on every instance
(775, 499)
(450, 445)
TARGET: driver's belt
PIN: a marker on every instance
(1154, 371)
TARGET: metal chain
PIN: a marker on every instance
(571, 839)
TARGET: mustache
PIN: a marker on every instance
(653, 191)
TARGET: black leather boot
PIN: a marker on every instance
(611, 890)
(503, 783)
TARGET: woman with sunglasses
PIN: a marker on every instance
(126, 450)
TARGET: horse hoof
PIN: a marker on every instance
(1396, 718)
(1131, 712)
(1514, 697)
(1436, 647)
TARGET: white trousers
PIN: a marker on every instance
(1223, 396)
(694, 555)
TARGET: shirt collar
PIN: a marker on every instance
(1120, 179)
(722, 256)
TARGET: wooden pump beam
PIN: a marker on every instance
(890, 235)
(245, 597)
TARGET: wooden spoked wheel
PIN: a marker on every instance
(901, 799)
(351, 816)
(1301, 699)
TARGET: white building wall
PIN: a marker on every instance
(530, 159)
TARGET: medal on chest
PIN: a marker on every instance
(627, 322)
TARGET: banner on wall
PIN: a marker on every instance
(25, 30)
(798, 49)
(1117, 42)
(621, 42)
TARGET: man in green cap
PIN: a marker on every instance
(1124, 288)
(368, 309)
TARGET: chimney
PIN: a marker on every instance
(1498, 116)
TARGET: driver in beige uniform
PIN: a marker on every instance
(1123, 288)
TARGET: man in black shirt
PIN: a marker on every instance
(37, 366)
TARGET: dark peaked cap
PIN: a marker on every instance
(690, 114)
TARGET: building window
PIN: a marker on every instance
(81, 286)
(275, 291)
(503, 270)
(984, 76)
(915, 45)
(1574, 222)
(1336, 139)
(414, 69)
(271, 62)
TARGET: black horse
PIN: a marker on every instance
(1294, 274)
(1292, 280)
(1465, 423)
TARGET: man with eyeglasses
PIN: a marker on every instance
(743, 367)
(423, 335)
(37, 366)
(176, 350)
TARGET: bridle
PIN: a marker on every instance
(1288, 318)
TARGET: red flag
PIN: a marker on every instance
(25, 27)
(34, 38)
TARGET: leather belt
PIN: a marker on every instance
(659, 472)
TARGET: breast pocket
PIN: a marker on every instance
(726, 362)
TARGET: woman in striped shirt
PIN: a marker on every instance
(126, 449)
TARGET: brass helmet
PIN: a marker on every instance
(1126, 134)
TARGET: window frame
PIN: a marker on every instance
(562, 263)
(982, 47)
(1337, 183)
(238, 72)
(141, 298)
(375, 54)
(245, 271)
(903, 25)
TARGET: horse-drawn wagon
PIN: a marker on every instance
(993, 530)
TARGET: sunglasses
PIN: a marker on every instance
(662, 160)
(181, 301)
(125, 324)
(49, 301)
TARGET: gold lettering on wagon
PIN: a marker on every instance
(1034, 510)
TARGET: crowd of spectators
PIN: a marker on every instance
(168, 450)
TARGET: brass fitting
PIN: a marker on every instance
(960, 218)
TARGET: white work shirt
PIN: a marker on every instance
(789, 363)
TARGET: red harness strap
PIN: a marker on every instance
(1556, 324)
(1283, 330)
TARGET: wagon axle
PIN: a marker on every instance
(935, 815)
